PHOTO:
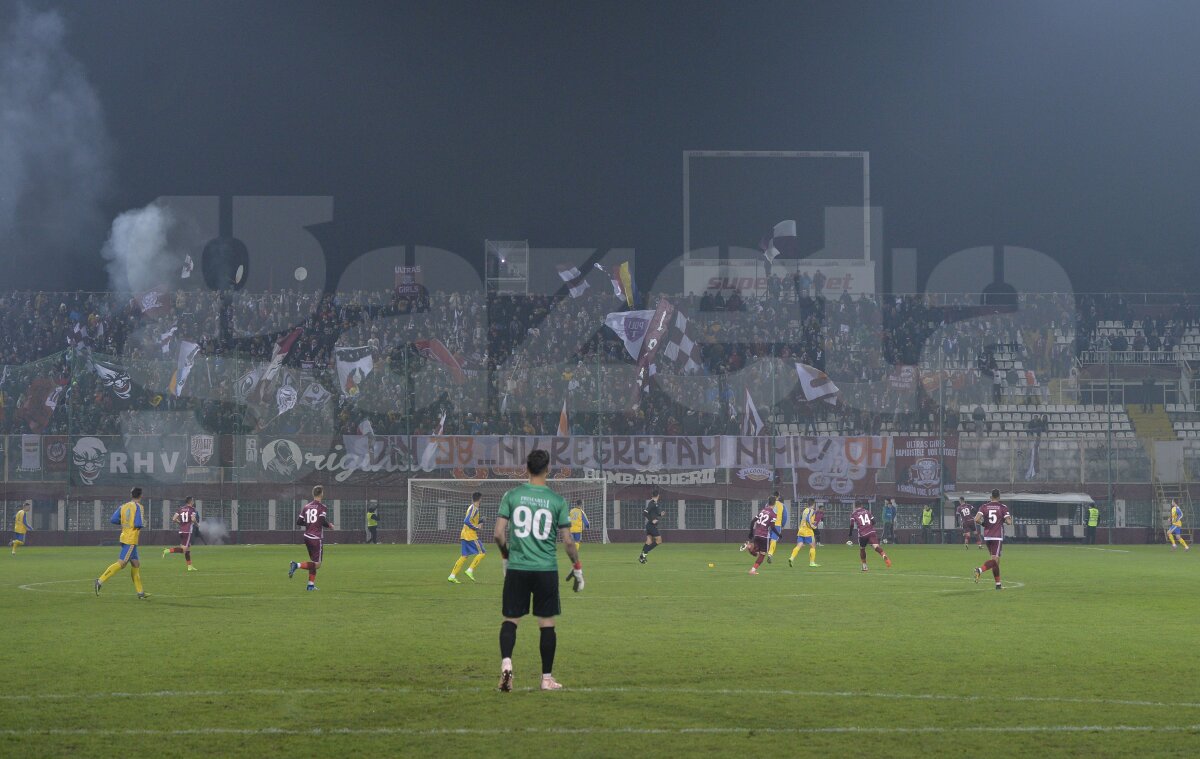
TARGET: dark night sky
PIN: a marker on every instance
(1067, 126)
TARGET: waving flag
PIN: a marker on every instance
(113, 377)
(564, 425)
(752, 423)
(575, 280)
(816, 385)
(183, 365)
(429, 456)
(622, 283)
(783, 241)
(436, 350)
(353, 366)
(630, 326)
(186, 271)
(39, 403)
(279, 353)
(153, 304)
(668, 343)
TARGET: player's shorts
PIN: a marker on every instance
(1174, 530)
(969, 527)
(471, 547)
(315, 549)
(652, 530)
(776, 534)
(129, 553)
(995, 546)
(20, 537)
(577, 537)
(869, 540)
(185, 539)
(760, 543)
(521, 584)
(804, 539)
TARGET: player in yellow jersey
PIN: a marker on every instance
(1175, 531)
(805, 536)
(579, 523)
(781, 518)
(129, 516)
(468, 538)
(21, 528)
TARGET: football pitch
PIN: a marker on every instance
(1086, 652)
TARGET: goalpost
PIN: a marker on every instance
(436, 507)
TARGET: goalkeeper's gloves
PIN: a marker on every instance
(578, 573)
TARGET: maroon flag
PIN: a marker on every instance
(283, 346)
(667, 341)
(38, 403)
(436, 350)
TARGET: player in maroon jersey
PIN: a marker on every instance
(864, 521)
(992, 516)
(967, 519)
(186, 519)
(314, 519)
(760, 534)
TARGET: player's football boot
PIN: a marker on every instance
(978, 572)
(887, 562)
(753, 570)
(865, 569)
(505, 681)
(790, 564)
(470, 574)
(98, 586)
(642, 558)
(143, 596)
(292, 569)
(191, 568)
(999, 586)
(454, 580)
(312, 587)
(769, 558)
(813, 564)
(549, 683)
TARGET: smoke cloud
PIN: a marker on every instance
(141, 251)
(214, 531)
(54, 149)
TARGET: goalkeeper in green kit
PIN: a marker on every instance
(530, 519)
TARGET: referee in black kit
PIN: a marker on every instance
(653, 514)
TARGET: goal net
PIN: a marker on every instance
(436, 507)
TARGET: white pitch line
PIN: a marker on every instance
(739, 730)
(600, 691)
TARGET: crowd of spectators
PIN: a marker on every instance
(524, 356)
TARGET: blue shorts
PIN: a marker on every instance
(128, 552)
(1175, 530)
(471, 547)
(577, 537)
(19, 537)
(776, 534)
(804, 539)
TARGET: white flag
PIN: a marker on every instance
(353, 366)
(564, 425)
(186, 272)
(429, 457)
(816, 385)
(752, 423)
(183, 365)
(630, 326)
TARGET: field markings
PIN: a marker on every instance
(731, 730)
(599, 691)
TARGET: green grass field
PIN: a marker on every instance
(1087, 652)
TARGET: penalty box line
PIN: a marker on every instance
(413, 731)
(10, 697)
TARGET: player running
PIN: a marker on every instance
(864, 522)
(805, 536)
(21, 528)
(536, 514)
(1175, 531)
(781, 518)
(760, 530)
(468, 540)
(579, 523)
(817, 521)
(186, 519)
(966, 519)
(314, 518)
(129, 517)
(993, 515)
(653, 537)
